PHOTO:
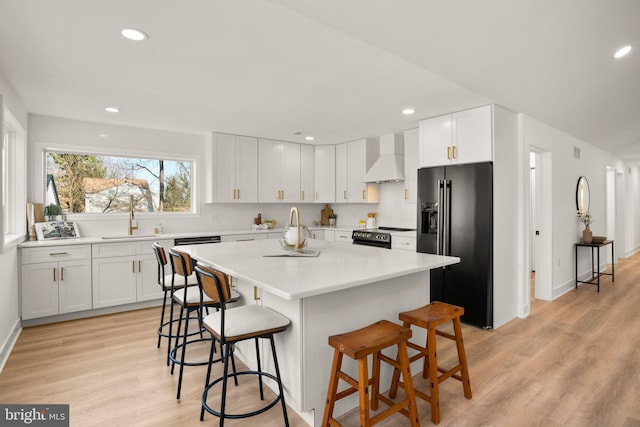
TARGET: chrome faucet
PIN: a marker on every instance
(131, 216)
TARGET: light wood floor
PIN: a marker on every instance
(573, 362)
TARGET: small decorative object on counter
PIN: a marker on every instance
(258, 219)
(332, 219)
(295, 234)
(585, 217)
(325, 215)
(362, 224)
(158, 229)
(270, 223)
(371, 220)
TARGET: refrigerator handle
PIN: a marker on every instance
(439, 228)
(445, 223)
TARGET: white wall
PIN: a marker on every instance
(566, 170)
(9, 313)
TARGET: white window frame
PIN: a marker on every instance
(65, 148)
(13, 180)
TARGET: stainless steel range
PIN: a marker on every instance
(379, 237)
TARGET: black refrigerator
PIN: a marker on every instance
(455, 217)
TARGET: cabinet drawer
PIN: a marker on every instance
(145, 247)
(343, 236)
(243, 237)
(406, 243)
(55, 253)
(108, 250)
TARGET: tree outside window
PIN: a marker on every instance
(88, 183)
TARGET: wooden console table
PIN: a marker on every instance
(595, 269)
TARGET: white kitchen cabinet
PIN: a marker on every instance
(235, 160)
(125, 272)
(460, 137)
(307, 173)
(317, 234)
(330, 235)
(411, 142)
(404, 243)
(278, 171)
(343, 236)
(325, 173)
(353, 160)
(55, 280)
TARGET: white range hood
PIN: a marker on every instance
(390, 165)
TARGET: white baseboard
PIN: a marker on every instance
(9, 343)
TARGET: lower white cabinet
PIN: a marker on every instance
(405, 243)
(55, 280)
(343, 236)
(125, 273)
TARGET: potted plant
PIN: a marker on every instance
(51, 211)
(332, 220)
(585, 217)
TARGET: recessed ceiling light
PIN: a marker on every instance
(112, 109)
(103, 135)
(622, 52)
(133, 34)
(309, 138)
(408, 111)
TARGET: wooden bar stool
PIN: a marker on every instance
(358, 345)
(430, 317)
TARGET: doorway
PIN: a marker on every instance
(540, 218)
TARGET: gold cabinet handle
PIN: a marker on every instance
(453, 151)
(139, 266)
(62, 274)
(316, 195)
(234, 194)
(363, 197)
(255, 294)
(282, 194)
(133, 266)
(238, 194)
(344, 196)
(449, 153)
(58, 253)
(54, 275)
(302, 198)
(231, 284)
(405, 194)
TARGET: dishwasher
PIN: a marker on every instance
(199, 240)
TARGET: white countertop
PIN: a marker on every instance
(163, 236)
(338, 266)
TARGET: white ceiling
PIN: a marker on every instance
(336, 69)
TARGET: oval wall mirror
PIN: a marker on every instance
(582, 194)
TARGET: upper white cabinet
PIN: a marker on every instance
(307, 173)
(325, 173)
(411, 150)
(461, 137)
(278, 171)
(235, 163)
(55, 280)
(353, 160)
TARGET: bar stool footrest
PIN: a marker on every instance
(212, 411)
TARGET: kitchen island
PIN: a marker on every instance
(346, 287)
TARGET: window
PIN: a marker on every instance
(13, 177)
(102, 184)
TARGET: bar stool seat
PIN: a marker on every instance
(358, 345)
(430, 317)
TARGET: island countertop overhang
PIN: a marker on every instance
(338, 266)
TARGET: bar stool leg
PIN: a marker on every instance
(280, 388)
(462, 358)
(363, 392)
(403, 357)
(333, 388)
(433, 376)
(164, 304)
(375, 386)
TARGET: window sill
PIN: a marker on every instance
(12, 240)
